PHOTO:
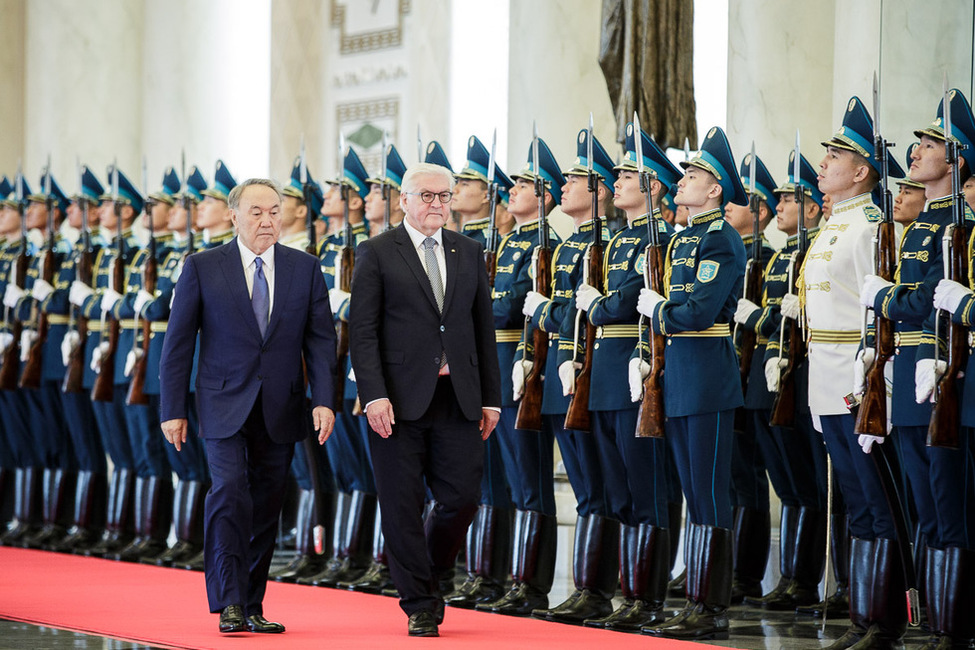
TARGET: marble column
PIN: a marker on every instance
(12, 81)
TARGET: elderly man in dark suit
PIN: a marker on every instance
(260, 309)
(423, 351)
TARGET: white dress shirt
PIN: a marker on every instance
(417, 238)
(247, 258)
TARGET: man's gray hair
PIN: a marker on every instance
(233, 199)
(424, 169)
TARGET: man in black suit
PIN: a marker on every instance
(423, 351)
(260, 309)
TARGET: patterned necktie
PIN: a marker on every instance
(433, 271)
(260, 297)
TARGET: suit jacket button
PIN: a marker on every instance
(442, 328)
(436, 360)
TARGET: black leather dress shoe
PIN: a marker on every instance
(232, 619)
(257, 623)
(422, 623)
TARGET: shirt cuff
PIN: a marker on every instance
(496, 409)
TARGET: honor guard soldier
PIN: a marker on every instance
(189, 463)
(154, 482)
(940, 475)
(25, 455)
(527, 456)
(634, 469)
(489, 539)
(705, 266)
(309, 466)
(830, 286)
(118, 210)
(595, 553)
(356, 506)
(42, 370)
(754, 450)
(91, 488)
(213, 215)
(375, 207)
(7, 465)
(909, 202)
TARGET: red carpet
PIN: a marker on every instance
(168, 608)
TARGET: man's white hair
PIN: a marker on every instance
(425, 169)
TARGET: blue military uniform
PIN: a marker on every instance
(528, 456)
(705, 266)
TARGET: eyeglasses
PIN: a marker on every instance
(427, 197)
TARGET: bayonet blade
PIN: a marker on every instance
(145, 178)
(47, 177)
(302, 164)
(751, 171)
(182, 169)
(535, 148)
(876, 106)
(81, 176)
(637, 142)
(946, 110)
(419, 145)
(382, 159)
(115, 180)
(20, 182)
(795, 161)
(491, 159)
(589, 145)
(687, 150)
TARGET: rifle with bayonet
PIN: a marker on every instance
(578, 416)
(385, 187)
(75, 369)
(343, 280)
(784, 405)
(529, 416)
(754, 278)
(150, 273)
(871, 417)
(491, 238)
(30, 377)
(11, 356)
(943, 430)
(104, 386)
(650, 417)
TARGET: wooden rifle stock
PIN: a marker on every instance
(344, 281)
(943, 430)
(529, 416)
(578, 417)
(11, 357)
(491, 265)
(784, 405)
(872, 415)
(650, 418)
(104, 387)
(137, 386)
(31, 375)
(75, 371)
(754, 278)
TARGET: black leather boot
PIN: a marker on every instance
(6, 496)
(191, 528)
(111, 526)
(935, 597)
(959, 599)
(752, 538)
(58, 487)
(357, 542)
(709, 577)
(489, 546)
(306, 561)
(594, 570)
(179, 505)
(836, 604)
(861, 588)
(377, 577)
(533, 567)
(777, 599)
(887, 613)
(89, 514)
(130, 549)
(809, 559)
(154, 507)
(675, 511)
(26, 507)
(677, 588)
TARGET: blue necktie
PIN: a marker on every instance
(260, 297)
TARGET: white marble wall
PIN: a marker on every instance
(12, 81)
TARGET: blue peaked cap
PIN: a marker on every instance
(437, 156)
(478, 160)
(60, 198)
(602, 164)
(395, 169)
(764, 183)
(962, 125)
(856, 135)
(807, 179)
(548, 168)
(195, 184)
(170, 188)
(91, 187)
(295, 190)
(223, 182)
(654, 158)
(716, 158)
(126, 190)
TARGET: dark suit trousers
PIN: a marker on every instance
(444, 448)
(241, 513)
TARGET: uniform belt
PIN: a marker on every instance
(762, 340)
(58, 319)
(850, 337)
(130, 324)
(907, 339)
(507, 336)
(716, 330)
(94, 325)
(158, 326)
(627, 331)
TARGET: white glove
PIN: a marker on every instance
(648, 301)
(567, 375)
(6, 339)
(69, 344)
(789, 308)
(636, 373)
(518, 374)
(12, 295)
(927, 372)
(746, 308)
(773, 373)
(131, 359)
(79, 293)
(586, 295)
(142, 299)
(533, 300)
(351, 374)
(949, 294)
(336, 298)
(867, 442)
(109, 299)
(41, 290)
(27, 338)
(96, 357)
(863, 361)
(872, 285)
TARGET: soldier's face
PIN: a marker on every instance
(258, 218)
(469, 196)
(928, 161)
(74, 215)
(696, 188)
(332, 206)
(289, 212)
(213, 213)
(375, 206)
(739, 217)
(576, 201)
(969, 189)
(36, 215)
(9, 220)
(626, 192)
(522, 202)
(908, 203)
(426, 217)
(106, 215)
(787, 214)
(159, 215)
(837, 171)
